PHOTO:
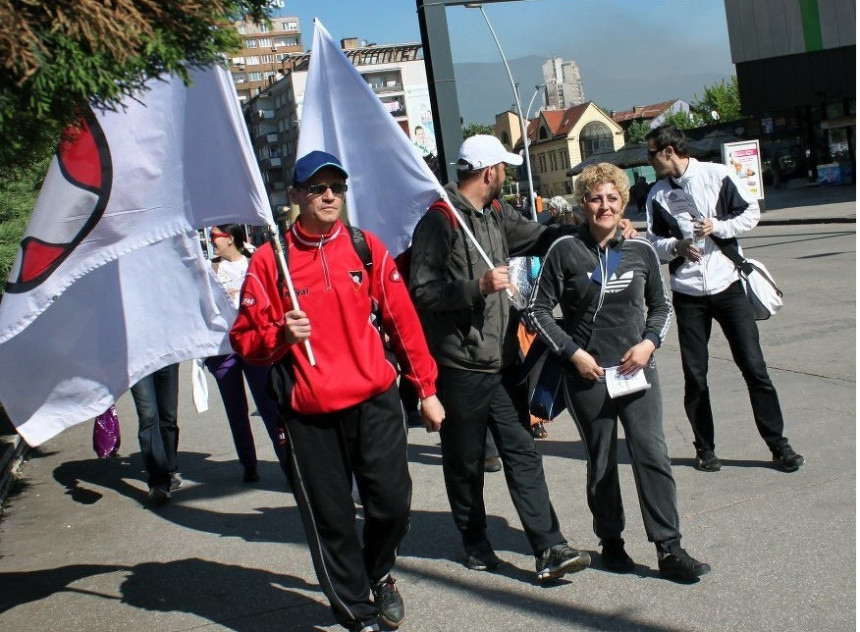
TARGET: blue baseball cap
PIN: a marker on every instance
(309, 164)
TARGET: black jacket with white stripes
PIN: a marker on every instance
(631, 307)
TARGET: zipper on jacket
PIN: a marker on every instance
(324, 264)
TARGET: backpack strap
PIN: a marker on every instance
(359, 242)
(443, 207)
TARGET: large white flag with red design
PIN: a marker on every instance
(110, 283)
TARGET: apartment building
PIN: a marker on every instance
(265, 48)
(395, 73)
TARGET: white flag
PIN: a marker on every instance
(390, 185)
(110, 283)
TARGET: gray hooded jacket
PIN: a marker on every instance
(464, 329)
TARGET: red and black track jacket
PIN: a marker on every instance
(333, 289)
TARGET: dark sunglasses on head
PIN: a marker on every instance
(338, 188)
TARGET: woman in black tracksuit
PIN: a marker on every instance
(615, 314)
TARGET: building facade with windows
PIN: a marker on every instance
(260, 62)
(395, 73)
(559, 140)
(797, 73)
(563, 83)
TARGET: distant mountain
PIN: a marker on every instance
(483, 89)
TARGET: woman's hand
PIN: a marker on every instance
(636, 358)
(297, 327)
(586, 365)
(433, 413)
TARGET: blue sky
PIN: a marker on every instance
(629, 51)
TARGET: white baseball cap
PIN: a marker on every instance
(481, 151)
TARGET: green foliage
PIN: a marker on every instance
(722, 98)
(636, 132)
(473, 129)
(62, 54)
(17, 198)
(681, 120)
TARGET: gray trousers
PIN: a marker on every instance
(641, 415)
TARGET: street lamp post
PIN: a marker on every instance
(529, 108)
(524, 131)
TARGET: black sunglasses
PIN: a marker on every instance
(338, 188)
(654, 152)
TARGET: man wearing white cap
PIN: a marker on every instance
(471, 326)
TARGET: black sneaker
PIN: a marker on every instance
(493, 464)
(679, 566)
(559, 560)
(788, 460)
(707, 461)
(388, 602)
(481, 557)
(176, 481)
(159, 495)
(615, 558)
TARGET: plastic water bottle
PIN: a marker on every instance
(699, 237)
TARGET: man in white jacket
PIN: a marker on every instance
(692, 207)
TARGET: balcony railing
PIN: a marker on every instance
(389, 86)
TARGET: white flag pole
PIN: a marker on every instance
(480, 250)
(281, 260)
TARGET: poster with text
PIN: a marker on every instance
(745, 158)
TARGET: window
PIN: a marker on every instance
(564, 159)
(242, 28)
(253, 60)
(264, 42)
(250, 43)
(552, 164)
(289, 26)
(595, 138)
(255, 76)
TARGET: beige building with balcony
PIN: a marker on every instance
(559, 140)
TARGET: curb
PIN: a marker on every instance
(806, 220)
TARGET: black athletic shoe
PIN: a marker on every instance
(251, 475)
(493, 464)
(388, 602)
(159, 495)
(707, 461)
(679, 566)
(788, 460)
(615, 558)
(559, 560)
(481, 557)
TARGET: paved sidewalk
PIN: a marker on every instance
(80, 549)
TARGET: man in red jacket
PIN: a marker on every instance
(343, 415)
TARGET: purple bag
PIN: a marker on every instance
(106, 437)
